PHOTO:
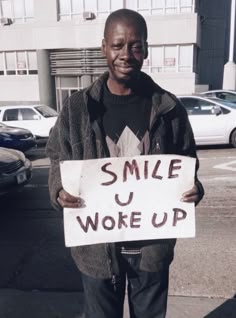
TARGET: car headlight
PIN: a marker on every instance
(27, 163)
(21, 155)
(5, 135)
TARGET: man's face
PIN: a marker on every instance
(125, 48)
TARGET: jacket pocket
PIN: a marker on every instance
(157, 255)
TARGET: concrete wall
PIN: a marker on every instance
(48, 33)
(19, 88)
(173, 29)
(163, 30)
(177, 83)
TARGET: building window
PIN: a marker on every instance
(155, 7)
(10, 63)
(70, 9)
(67, 85)
(186, 5)
(32, 62)
(169, 58)
(21, 63)
(18, 63)
(19, 11)
(2, 64)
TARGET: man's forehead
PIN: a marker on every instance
(124, 27)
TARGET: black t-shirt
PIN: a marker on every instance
(126, 125)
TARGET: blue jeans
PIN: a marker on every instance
(147, 292)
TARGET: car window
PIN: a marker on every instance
(10, 114)
(224, 103)
(192, 105)
(46, 111)
(206, 107)
(227, 96)
(224, 110)
(28, 114)
(210, 94)
(195, 106)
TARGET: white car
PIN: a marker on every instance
(213, 120)
(39, 119)
(227, 95)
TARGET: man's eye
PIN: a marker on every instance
(137, 47)
(116, 46)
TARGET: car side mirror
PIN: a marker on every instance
(216, 110)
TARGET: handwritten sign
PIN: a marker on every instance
(128, 198)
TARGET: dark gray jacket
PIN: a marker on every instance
(78, 135)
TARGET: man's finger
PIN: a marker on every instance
(65, 196)
(68, 204)
(190, 198)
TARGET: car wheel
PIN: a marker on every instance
(233, 138)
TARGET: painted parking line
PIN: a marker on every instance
(227, 166)
(217, 158)
(217, 178)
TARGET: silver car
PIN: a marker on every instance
(213, 120)
(227, 95)
(15, 169)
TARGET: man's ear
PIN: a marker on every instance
(146, 50)
(104, 47)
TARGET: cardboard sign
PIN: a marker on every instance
(128, 199)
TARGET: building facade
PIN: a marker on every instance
(51, 48)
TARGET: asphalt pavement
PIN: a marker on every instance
(39, 279)
(42, 304)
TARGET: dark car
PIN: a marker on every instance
(16, 138)
(15, 169)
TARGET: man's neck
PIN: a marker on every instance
(118, 89)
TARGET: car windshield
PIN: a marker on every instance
(224, 102)
(46, 111)
(228, 96)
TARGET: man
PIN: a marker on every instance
(106, 119)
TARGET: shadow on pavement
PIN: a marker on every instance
(226, 310)
(214, 147)
(36, 153)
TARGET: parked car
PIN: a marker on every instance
(15, 169)
(16, 138)
(213, 120)
(227, 95)
(39, 119)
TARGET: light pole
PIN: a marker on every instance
(229, 79)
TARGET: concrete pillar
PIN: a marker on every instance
(229, 79)
(47, 90)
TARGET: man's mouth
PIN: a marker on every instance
(125, 69)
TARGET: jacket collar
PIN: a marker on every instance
(162, 100)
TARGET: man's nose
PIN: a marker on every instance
(126, 52)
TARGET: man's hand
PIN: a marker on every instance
(193, 195)
(67, 200)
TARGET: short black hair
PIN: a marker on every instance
(126, 15)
